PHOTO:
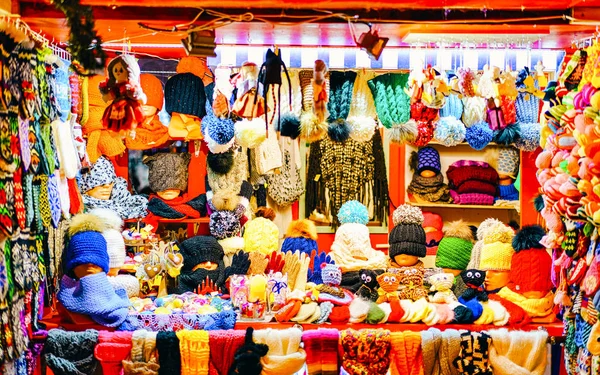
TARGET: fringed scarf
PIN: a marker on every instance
(343, 171)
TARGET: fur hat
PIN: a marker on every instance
(115, 244)
(408, 235)
(362, 128)
(311, 129)
(86, 243)
(168, 170)
(301, 235)
(184, 93)
(353, 212)
(454, 250)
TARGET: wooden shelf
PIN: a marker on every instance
(475, 206)
(465, 144)
(175, 221)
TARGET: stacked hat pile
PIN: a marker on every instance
(428, 182)
(472, 182)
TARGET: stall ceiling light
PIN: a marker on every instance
(470, 39)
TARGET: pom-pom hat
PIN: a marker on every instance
(86, 243)
(184, 93)
(497, 251)
(531, 263)
(408, 235)
(115, 244)
(353, 212)
(301, 235)
(454, 250)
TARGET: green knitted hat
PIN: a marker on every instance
(454, 250)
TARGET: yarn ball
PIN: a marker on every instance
(424, 133)
(479, 135)
(529, 139)
(508, 135)
(407, 214)
(311, 129)
(219, 130)
(289, 126)
(250, 133)
(362, 128)
(403, 133)
(220, 163)
(224, 224)
(338, 130)
(353, 212)
(449, 131)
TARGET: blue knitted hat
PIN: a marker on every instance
(184, 93)
(219, 130)
(353, 212)
(453, 107)
(527, 106)
(428, 159)
(304, 245)
(479, 135)
(86, 244)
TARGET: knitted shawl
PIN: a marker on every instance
(343, 171)
(391, 100)
(121, 201)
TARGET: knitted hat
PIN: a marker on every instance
(115, 244)
(518, 352)
(389, 93)
(86, 243)
(101, 173)
(408, 236)
(433, 225)
(428, 159)
(353, 212)
(262, 235)
(454, 250)
(449, 131)
(531, 264)
(479, 135)
(331, 274)
(301, 235)
(497, 251)
(505, 160)
(153, 89)
(184, 93)
(193, 64)
(200, 249)
(168, 171)
(529, 137)
(452, 108)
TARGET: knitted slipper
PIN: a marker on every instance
(6, 206)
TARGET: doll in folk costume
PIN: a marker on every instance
(122, 88)
(319, 83)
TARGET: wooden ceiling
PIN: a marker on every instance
(275, 22)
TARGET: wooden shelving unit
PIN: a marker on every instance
(460, 206)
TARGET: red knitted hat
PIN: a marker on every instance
(476, 186)
(432, 220)
(458, 175)
(531, 264)
(339, 314)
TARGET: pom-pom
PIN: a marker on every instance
(266, 212)
(250, 133)
(311, 129)
(220, 163)
(499, 233)
(403, 133)
(338, 130)
(219, 130)
(362, 128)
(290, 126)
(353, 212)
(479, 135)
(407, 214)
(216, 147)
(449, 131)
(225, 201)
(110, 218)
(224, 224)
(508, 135)
(86, 223)
(424, 133)
(458, 229)
(529, 138)
(528, 237)
(302, 228)
(413, 161)
(485, 226)
(538, 202)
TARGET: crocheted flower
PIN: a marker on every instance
(353, 212)
(407, 214)
(529, 139)
(362, 128)
(479, 135)
(449, 131)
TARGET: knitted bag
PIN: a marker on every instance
(285, 187)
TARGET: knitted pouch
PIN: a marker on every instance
(249, 106)
(496, 119)
(285, 187)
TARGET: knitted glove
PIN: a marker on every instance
(291, 267)
(314, 272)
(302, 275)
(276, 262)
(239, 264)
(258, 263)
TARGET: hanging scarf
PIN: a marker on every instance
(121, 201)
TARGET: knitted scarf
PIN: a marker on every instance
(178, 208)
(223, 345)
(169, 356)
(473, 356)
(391, 101)
(121, 201)
(406, 354)
(365, 352)
(343, 171)
(71, 353)
(431, 189)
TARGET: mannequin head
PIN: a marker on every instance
(99, 180)
(405, 260)
(102, 192)
(495, 280)
(168, 174)
(169, 194)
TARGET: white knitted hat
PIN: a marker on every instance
(115, 244)
(129, 283)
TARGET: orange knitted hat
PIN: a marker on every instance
(406, 354)
(153, 89)
(195, 65)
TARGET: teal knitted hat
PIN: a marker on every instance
(454, 250)
(391, 101)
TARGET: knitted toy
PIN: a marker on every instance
(270, 75)
(388, 287)
(474, 279)
(122, 88)
(441, 284)
(369, 285)
(247, 358)
(411, 282)
(330, 290)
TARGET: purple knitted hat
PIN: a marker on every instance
(428, 160)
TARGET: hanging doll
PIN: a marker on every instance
(270, 74)
(319, 85)
(122, 88)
